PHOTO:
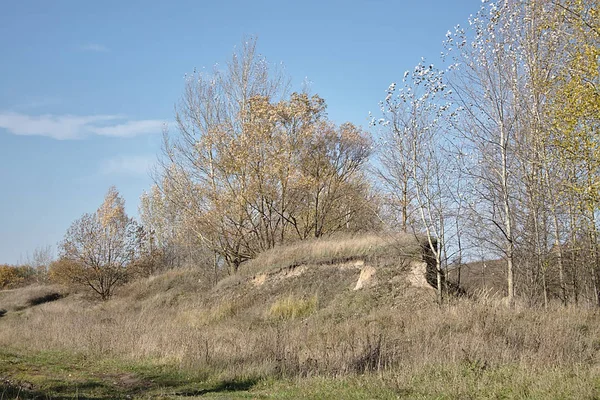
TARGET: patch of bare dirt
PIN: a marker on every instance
(296, 271)
(417, 276)
(366, 275)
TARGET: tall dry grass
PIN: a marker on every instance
(232, 337)
(19, 299)
(369, 247)
(307, 321)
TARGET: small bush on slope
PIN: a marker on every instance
(291, 307)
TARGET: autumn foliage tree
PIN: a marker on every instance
(99, 248)
(574, 133)
(249, 167)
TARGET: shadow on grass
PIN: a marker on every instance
(46, 298)
(101, 391)
(9, 391)
(222, 387)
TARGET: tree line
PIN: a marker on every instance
(494, 155)
(498, 154)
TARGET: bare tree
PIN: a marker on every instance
(415, 159)
(485, 84)
(39, 261)
(98, 248)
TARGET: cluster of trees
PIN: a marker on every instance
(496, 156)
(250, 167)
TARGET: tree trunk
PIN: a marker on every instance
(507, 217)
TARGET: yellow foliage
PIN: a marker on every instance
(112, 210)
(575, 103)
(64, 271)
(9, 276)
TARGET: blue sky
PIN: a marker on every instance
(85, 86)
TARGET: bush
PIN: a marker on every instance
(291, 307)
(9, 277)
(64, 271)
(148, 264)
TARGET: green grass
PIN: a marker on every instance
(58, 375)
(434, 382)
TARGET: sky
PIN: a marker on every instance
(86, 87)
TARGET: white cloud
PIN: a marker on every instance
(63, 127)
(130, 128)
(95, 47)
(132, 165)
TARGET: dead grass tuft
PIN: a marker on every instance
(351, 332)
(291, 307)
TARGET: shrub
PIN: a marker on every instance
(148, 264)
(64, 271)
(291, 307)
(9, 277)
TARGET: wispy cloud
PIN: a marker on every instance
(130, 165)
(64, 127)
(95, 47)
(130, 128)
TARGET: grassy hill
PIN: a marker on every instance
(343, 318)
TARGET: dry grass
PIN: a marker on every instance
(20, 299)
(314, 325)
(291, 307)
(370, 247)
(231, 339)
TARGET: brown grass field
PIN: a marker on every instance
(292, 325)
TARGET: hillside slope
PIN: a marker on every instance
(300, 285)
(336, 308)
